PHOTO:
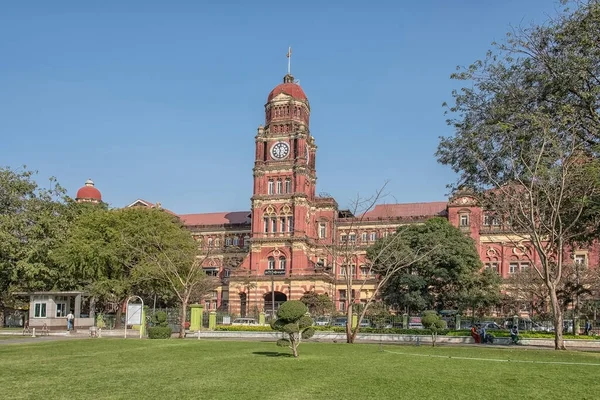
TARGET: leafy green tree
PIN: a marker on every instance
(438, 278)
(527, 130)
(33, 222)
(432, 321)
(168, 255)
(293, 319)
(318, 304)
(480, 292)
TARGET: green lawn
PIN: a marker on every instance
(201, 369)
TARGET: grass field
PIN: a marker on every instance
(193, 369)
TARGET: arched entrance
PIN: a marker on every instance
(270, 306)
(243, 305)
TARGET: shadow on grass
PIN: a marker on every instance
(272, 354)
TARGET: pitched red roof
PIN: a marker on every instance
(407, 210)
(219, 218)
(144, 203)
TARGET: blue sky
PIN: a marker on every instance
(161, 100)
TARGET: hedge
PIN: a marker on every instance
(159, 332)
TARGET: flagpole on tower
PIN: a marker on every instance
(289, 57)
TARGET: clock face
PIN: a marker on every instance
(280, 150)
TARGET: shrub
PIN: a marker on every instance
(160, 319)
(244, 328)
(293, 319)
(159, 332)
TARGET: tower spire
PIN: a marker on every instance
(289, 57)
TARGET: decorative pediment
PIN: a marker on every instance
(463, 200)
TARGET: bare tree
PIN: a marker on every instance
(350, 253)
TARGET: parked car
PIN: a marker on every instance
(365, 323)
(244, 321)
(322, 321)
(340, 321)
(525, 324)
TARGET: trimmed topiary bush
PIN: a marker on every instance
(160, 327)
(293, 319)
(159, 332)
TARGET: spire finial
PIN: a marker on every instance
(289, 57)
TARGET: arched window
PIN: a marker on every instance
(271, 263)
(282, 262)
(236, 241)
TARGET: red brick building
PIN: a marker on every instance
(283, 243)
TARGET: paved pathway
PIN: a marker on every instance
(29, 339)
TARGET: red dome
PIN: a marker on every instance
(89, 192)
(288, 87)
(291, 89)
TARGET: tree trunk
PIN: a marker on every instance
(559, 343)
(182, 319)
(118, 317)
(433, 338)
(294, 345)
(2, 317)
(349, 336)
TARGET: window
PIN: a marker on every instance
(343, 238)
(343, 270)
(61, 310)
(228, 241)
(282, 223)
(464, 219)
(217, 242)
(274, 225)
(212, 271)
(271, 187)
(270, 263)
(342, 295)
(385, 234)
(39, 310)
(373, 236)
(282, 262)
(524, 266)
(513, 267)
(487, 220)
(236, 241)
(226, 273)
(492, 265)
(364, 271)
(352, 237)
(290, 222)
(288, 186)
(580, 259)
(210, 242)
(364, 236)
(322, 230)
(266, 220)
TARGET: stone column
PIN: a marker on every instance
(77, 311)
(196, 317)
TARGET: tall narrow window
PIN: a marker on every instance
(271, 187)
(266, 224)
(282, 262)
(279, 186)
(290, 222)
(364, 236)
(236, 241)
(273, 225)
(288, 185)
(464, 220)
(210, 242)
(228, 241)
(373, 236)
(282, 224)
(271, 263)
(322, 230)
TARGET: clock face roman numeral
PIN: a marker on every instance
(280, 150)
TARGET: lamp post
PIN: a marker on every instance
(272, 295)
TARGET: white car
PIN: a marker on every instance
(244, 321)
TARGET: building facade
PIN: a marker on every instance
(285, 245)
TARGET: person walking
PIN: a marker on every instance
(514, 334)
(70, 320)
